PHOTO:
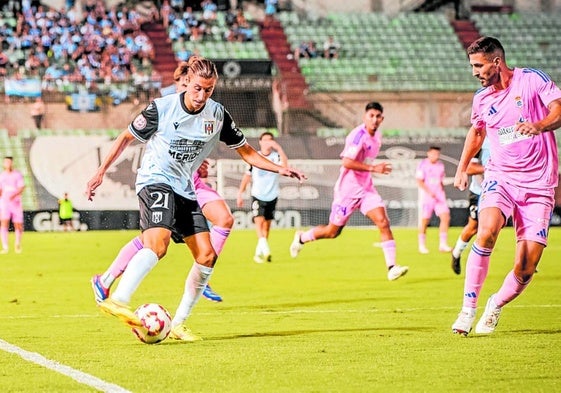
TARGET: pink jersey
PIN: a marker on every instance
(526, 161)
(433, 176)
(10, 183)
(362, 147)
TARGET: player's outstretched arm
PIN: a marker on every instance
(252, 157)
(123, 140)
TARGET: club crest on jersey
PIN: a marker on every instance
(139, 122)
(518, 102)
(209, 127)
(157, 217)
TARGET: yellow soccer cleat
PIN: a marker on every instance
(121, 311)
(183, 333)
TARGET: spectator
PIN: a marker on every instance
(307, 50)
(270, 11)
(331, 48)
(209, 10)
(37, 112)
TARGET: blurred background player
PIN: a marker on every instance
(475, 169)
(355, 190)
(432, 199)
(11, 207)
(520, 177)
(264, 193)
(65, 213)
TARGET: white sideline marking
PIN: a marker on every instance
(79, 376)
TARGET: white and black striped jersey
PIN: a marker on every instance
(177, 141)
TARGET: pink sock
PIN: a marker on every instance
(510, 289)
(4, 236)
(308, 236)
(218, 236)
(443, 239)
(389, 252)
(477, 266)
(19, 234)
(120, 263)
(422, 238)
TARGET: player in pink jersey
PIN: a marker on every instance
(432, 199)
(11, 208)
(517, 109)
(355, 190)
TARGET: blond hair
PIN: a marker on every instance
(197, 65)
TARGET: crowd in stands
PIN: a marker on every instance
(94, 45)
(308, 49)
(184, 25)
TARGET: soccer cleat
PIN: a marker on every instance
(423, 250)
(121, 311)
(444, 248)
(183, 333)
(4, 251)
(397, 271)
(490, 318)
(456, 265)
(464, 322)
(258, 258)
(18, 249)
(100, 292)
(296, 246)
(211, 295)
(268, 258)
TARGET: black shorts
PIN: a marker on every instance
(160, 207)
(473, 205)
(64, 220)
(264, 209)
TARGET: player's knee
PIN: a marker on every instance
(207, 258)
(227, 221)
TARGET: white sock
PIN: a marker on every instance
(195, 283)
(459, 247)
(139, 266)
(263, 246)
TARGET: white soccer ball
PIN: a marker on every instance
(156, 322)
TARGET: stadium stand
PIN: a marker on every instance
(382, 53)
(532, 39)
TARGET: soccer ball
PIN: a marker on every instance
(156, 322)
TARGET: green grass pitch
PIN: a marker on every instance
(328, 321)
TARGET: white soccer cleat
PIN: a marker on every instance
(258, 258)
(296, 246)
(397, 271)
(464, 322)
(423, 250)
(444, 248)
(490, 318)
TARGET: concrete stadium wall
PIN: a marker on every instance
(402, 110)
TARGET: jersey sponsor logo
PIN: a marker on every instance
(185, 150)
(175, 125)
(157, 217)
(139, 122)
(209, 127)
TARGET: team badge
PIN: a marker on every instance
(518, 102)
(139, 122)
(157, 217)
(209, 127)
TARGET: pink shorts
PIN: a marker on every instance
(344, 206)
(530, 209)
(431, 205)
(12, 211)
(205, 193)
